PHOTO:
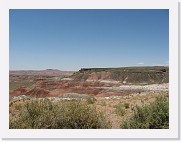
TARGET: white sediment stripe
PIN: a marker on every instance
(67, 79)
(153, 87)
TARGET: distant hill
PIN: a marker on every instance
(125, 75)
(40, 72)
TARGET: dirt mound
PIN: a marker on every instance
(38, 92)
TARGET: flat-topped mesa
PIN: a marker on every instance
(126, 75)
(84, 70)
(92, 69)
(129, 69)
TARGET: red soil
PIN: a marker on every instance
(19, 91)
(57, 88)
(38, 92)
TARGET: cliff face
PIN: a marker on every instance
(125, 75)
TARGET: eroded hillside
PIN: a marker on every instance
(125, 75)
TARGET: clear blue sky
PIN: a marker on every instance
(74, 39)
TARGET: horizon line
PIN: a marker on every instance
(87, 68)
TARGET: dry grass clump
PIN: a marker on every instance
(44, 114)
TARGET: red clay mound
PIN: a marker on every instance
(38, 92)
(19, 91)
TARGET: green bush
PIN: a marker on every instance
(119, 109)
(44, 114)
(91, 100)
(18, 107)
(126, 105)
(153, 116)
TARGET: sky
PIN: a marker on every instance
(74, 39)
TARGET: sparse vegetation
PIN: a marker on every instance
(91, 100)
(16, 85)
(153, 116)
(76, 95)
(103, 103)
(119, 109)
(44, 114)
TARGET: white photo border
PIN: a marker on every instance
(171, 133)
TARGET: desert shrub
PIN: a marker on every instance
(18, 107)
(126, 105)
(10, 104)
(103, 103)
(119, 109)
(153, 116)
(91, 100)
(44, 114)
